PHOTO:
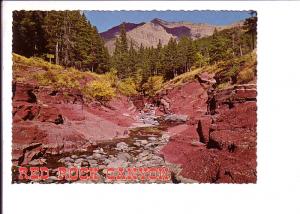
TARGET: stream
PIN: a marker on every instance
(140, 150)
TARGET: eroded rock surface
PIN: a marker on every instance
(224, 149)
(199, 133)
(62, 121)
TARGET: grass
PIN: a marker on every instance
(92, 85)
(239, 70)
(35, 62)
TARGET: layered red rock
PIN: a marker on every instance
(228, 132)
(189, 99)
(57, 121)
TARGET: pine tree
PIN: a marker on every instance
(171, 58)
(120, 57)
(132, 59)
(28, 34)
(250, 26)
(67, 35)
(160, 57)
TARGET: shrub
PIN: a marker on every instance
(56, 79)
(110, 77)
(67, 80)
(46, 78)
(223, 85)
(153, 85)
(100, 90)
(35, 61)
(246, 75)
(127, 87)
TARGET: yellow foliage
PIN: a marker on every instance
(110, 77)
(153, 85)
(35, 61)
(66, 79)
(223, 85)
(246, 75)
(138, 77)
(127, 87)
(245, 71)
(100, 90)
(92, 85)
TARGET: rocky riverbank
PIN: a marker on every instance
(199, 133)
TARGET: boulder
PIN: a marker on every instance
(179, 118)
(122, 146)
(203, 128)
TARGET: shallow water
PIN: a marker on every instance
(144, 144)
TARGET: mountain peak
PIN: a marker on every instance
(158, 21)
(112, 32)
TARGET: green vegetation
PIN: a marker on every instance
(184, 55)
(92, 85)
(65, 36)
(35, 61)
(238, 70)
(100, 90)
(153, 85)
(128, 87)
(67, 39)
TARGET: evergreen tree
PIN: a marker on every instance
(171, 62)
(132, 59)
(28, 34)
(250, 26)
(160, 57)
(66, 34)
(120, 57)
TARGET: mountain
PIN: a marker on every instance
(111, 33)
(151, 32)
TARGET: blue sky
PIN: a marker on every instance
(105, 20)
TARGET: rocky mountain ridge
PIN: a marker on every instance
(150, 33)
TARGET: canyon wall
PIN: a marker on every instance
(52, 121)
(218, 144)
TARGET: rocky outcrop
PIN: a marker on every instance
(49, 121)
(226, 152)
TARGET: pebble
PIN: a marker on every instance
(142, 141)
(97, 156)
(117, 164)
(98, 150)
(68, 159)
(79, 160)
(85, 163)
(92, 161)
(152, 138)
(37, 162)
(122, 146)
(124, 156)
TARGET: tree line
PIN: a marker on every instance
(72, 41)
(179, 56)
(66, 36)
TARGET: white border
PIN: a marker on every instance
(278, 188)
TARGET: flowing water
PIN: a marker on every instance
(140, 149)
